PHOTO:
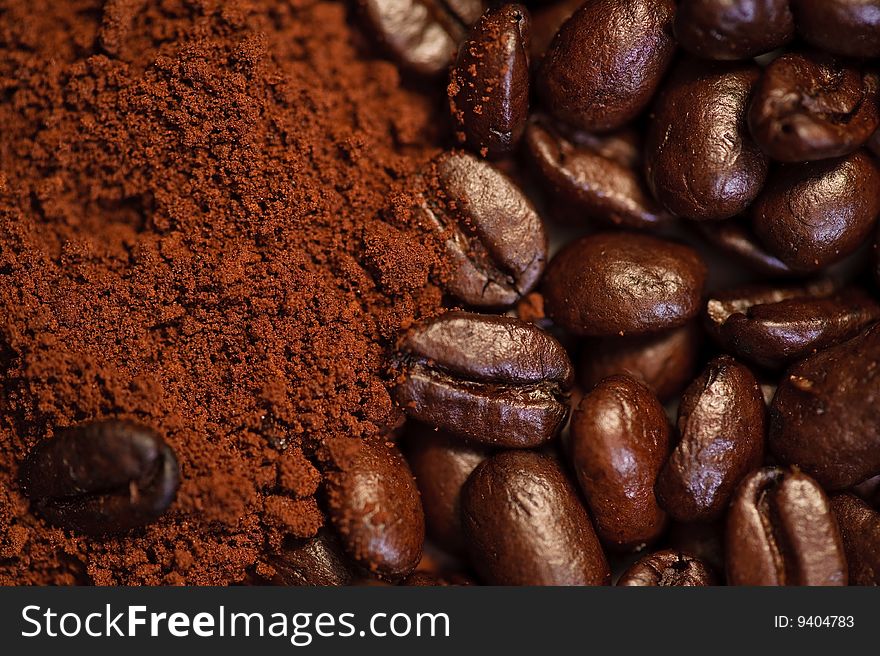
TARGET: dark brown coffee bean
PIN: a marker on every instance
(665, 361)
(495, 241)
(318, 561)
(722, 422)
(809, 106)
(421, 35)
(735, 236)
(623, 283)
(619, 440)
(860, 529)
(373, 503)
(606, 62)
(825, 417)
(599, 186)
(844, 27)
(667, 569)
(441, 464)
(546, 21)
(103, 477)
(773, 326)
(813, 215)
(495, 380)
(733, 30)
(700, 159)
(489, 85)
(703, 540)
(781, 531)
(524, 524)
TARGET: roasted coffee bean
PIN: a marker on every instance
(722, 422)
(773, 326)
(489, 85)
(623, 283)
(606, 62)
(700, 159)
(860, 529)
(733, 30)
(844, 27)
(664, 361)
(373, 503)
(495, 380)
(103, 477)
(668, 569)
(825, 417)
(441, 464)
(619, 440)
(810, 106)
(318, 561)
(781, 531)
(736, 237)
(813, 215)
(421, 35)
(601, 187)
(495, 241)
(546, 21)
(703, 540)
(524, 524)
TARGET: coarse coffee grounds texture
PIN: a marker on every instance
(195, 235)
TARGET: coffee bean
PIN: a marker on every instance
(825, 417)
(733, 30)
(813, 215)
(664, 361)
(736, 237)
(489, 85)
(441, 464)
(599, 186)
(373, 503)
(623, 283)
(844, 27)
(495, 241)
(494, 380)
(669, 568)
(700, 159)
(810, 106)
(103, 477)
(421, 35)
(317, 561)
(722, 422)
(524, 524)
(776, 325)
(606, 62)
(619, 440)
(781, 531)
(860, 529)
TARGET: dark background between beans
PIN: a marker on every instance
(655, 213)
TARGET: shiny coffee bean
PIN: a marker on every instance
(441, 464)
(860, 529)
(495, 241)
(733, 30)
(669, 568)
(318, 561)
(489, 85)
(722, 422)
(606, 62)
(810, 106)
(813, 215)
(775, 325)
(701, 161)
(103, 477)
(524, 524)
(619, 440)
(421, 35)
(599, 186)
(664, 361)
(781, 531)
(844, 27)
(373, 503)
(494, 380)
(825, 417)
(735, 237)
(623, 284)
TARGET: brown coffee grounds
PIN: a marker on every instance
(190, 193)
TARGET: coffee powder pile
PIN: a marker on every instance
(190, 237)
